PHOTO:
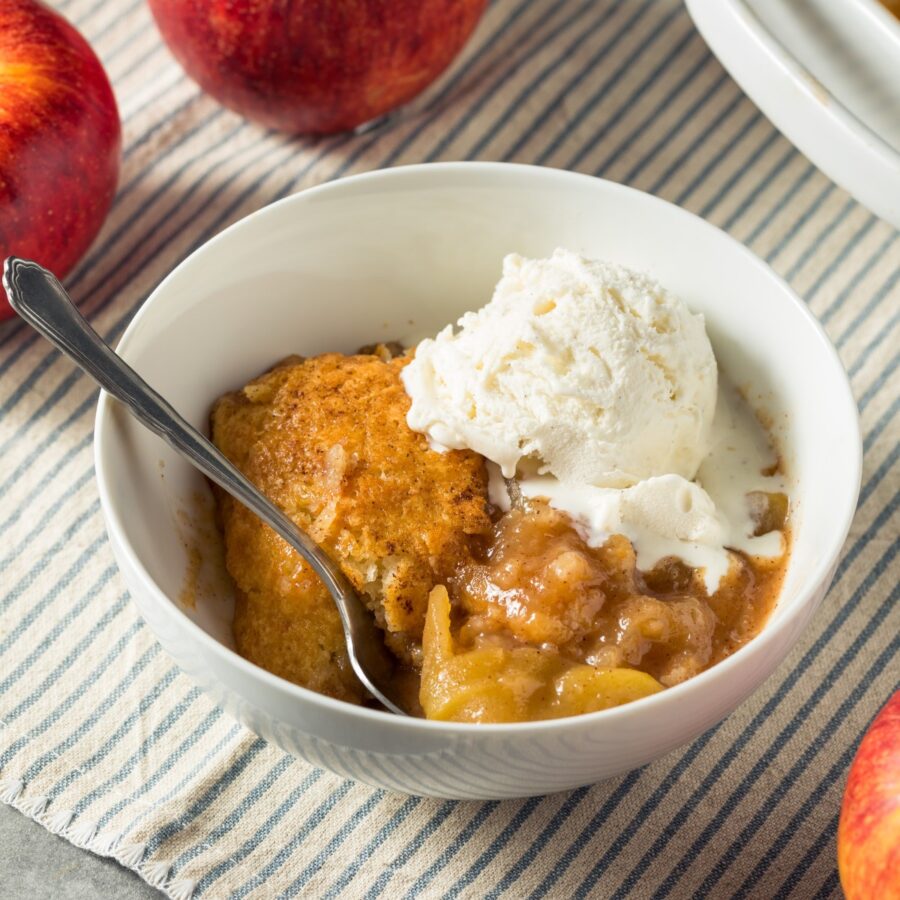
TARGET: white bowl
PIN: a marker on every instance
(399, 253)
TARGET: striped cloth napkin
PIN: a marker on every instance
(106, 743)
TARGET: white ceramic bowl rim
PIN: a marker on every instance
(756, 646)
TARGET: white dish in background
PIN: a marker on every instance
(403, 251)
(881, 18)
(827, 74)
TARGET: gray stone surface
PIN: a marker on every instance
(38, 865)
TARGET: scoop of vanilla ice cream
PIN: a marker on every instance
(594, 370)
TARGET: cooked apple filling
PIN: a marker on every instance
(541, 625)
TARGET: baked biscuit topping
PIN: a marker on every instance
(326, 439)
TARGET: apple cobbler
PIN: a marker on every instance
(498, 616)
(326, 440)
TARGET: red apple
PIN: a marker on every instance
(869, 829)
(60, 139)
(315, 65)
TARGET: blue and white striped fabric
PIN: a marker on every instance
(103, 741)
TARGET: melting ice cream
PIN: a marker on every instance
(595, 388)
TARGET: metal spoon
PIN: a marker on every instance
(38, 297)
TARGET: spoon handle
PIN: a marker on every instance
(39, 298)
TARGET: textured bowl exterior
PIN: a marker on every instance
(324, 272)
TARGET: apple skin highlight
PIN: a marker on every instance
(869, 828)
(60, 139)
(315, 66)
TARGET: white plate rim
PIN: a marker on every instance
(822, 128)
(882, 17)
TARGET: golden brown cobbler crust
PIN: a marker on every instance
(326, 438)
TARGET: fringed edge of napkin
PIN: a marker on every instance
(84, 834)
